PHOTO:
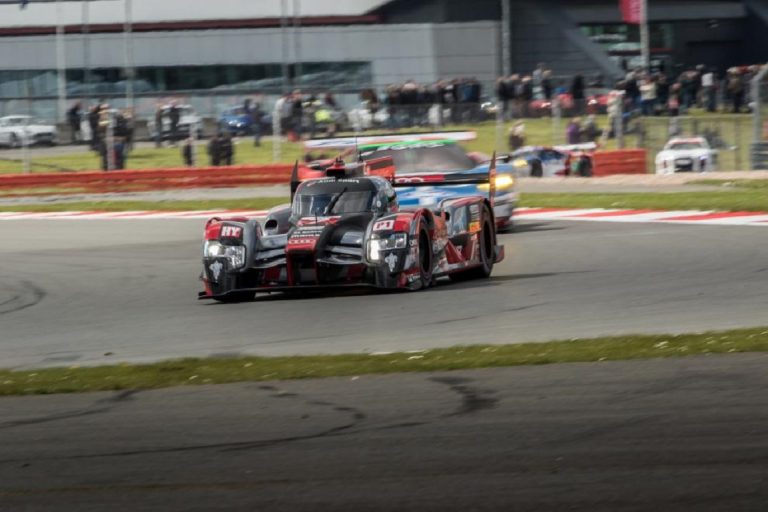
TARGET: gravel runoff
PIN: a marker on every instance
(637, 183)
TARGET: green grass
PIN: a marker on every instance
(218, 371)
(747, 199)
(736, 200)
(258, 203)
(749, 184)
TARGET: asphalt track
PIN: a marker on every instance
(88, 292)
(670, 435)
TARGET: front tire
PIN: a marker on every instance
(425, 259)
(487, 253)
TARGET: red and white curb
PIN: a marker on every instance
(665, 217)
(591, 214)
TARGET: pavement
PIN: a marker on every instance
(106, 291)
(671, 435)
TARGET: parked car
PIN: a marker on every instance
(686, 154)
(189, 123)
(16, 131)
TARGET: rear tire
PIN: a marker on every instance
(487, 252)
(537, 170)
(425, 259)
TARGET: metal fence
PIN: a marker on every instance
(729, 135)
(759, 105)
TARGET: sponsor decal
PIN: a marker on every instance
(302, 241)
(231, 232)
(474, 227)
(406, 180)
(215, 269)
(384, 225)
(391, 261)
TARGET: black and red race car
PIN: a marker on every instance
(346, 229)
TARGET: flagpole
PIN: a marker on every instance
(644, 37)
(128, 53)
(61, 64)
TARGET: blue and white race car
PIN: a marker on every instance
(421, 157)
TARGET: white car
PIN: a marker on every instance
(189, 121)
(16, 131)
(691, 154)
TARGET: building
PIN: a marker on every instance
(181, 47)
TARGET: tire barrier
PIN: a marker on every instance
(623, 161)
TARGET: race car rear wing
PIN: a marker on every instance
(447, 179)
(341, 143)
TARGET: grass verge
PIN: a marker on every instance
(752, 199)
(219, 371)
(747, 199)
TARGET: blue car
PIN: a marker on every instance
(419, 156)
(236, 121)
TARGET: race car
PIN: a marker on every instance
(547, 162)
(691, 154)
(416, 155)
(346, 229)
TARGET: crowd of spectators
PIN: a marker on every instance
(108, 127)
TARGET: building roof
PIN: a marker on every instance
(172, 11)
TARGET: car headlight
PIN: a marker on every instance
(235, 254)
(502, 182)
(378, 245)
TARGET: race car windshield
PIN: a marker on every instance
(423, 157)
(686, 145)
(310, 205)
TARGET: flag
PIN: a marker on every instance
(632, 11)
(23, 4)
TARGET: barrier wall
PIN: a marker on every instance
(150, 179)
(622, 161)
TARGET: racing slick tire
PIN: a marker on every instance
(425, 259)
(487, 257)
(537, 170)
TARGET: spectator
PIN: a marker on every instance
(517, 136)
(74, 118)
(188, 152)
(297, 115)
(573, 131)
(547, 86)
(93, 124)
(227, 149)
(709, 91)
(159, 115)
(736, 89)
(577, 93)
(591, 131)
(215, 148)
(174, 116)
(673, 105)
(648, 96)
(257, 118)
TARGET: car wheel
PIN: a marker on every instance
(425, 258)
(537, 170)
(14, 141)
(487, 242)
